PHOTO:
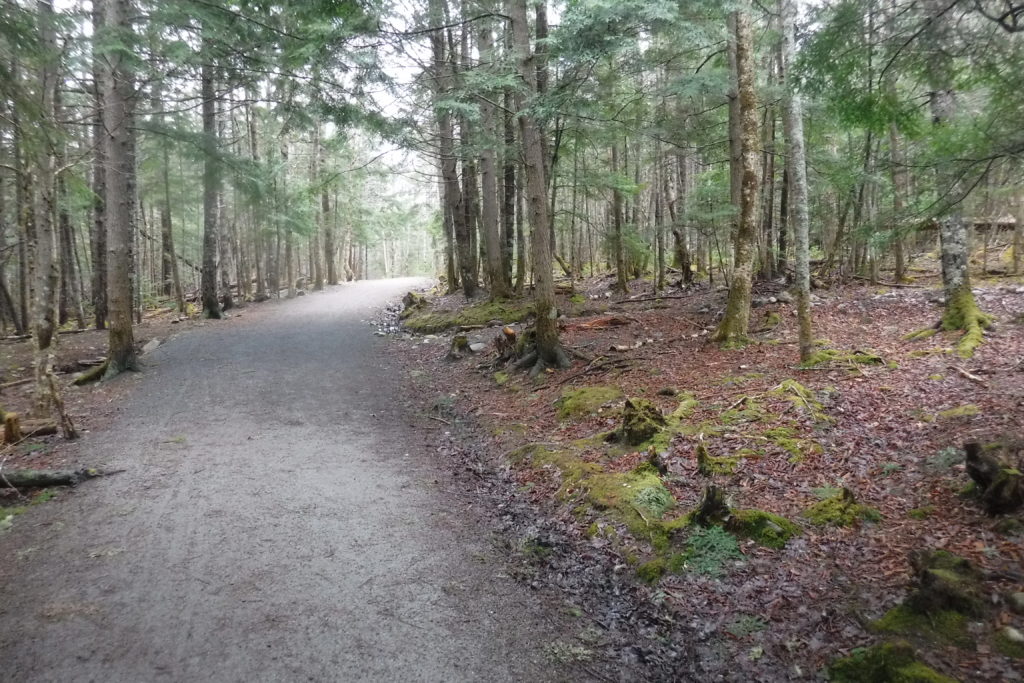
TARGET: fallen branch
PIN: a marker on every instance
(968, 375)
(30, 479)
(888, 284)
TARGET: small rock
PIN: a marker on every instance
(773, 300)
(151, 345)
(784, 297)
(1016, 601)
(477, 347)
(1013, 635)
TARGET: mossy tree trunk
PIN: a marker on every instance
(549, 350)
(733, 328)
(962, 312)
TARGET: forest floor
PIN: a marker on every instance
(278, 515)
(886, 419)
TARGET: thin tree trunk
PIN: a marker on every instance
(211, 193)
(794, 127)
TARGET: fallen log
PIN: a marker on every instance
(31, 479)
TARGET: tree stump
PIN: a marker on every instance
(946, 582)
(713, 508)
(641, 420)
(12, 428)
(1001, 483)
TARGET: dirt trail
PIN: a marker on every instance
(279, 520)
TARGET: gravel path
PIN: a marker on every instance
(280, 519)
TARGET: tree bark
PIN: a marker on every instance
(211, 192)
(733, 328)
(489, 218)
(118, 85)
(794, 127)
(549, 350)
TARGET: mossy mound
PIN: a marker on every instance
(764, 528)
(941, 627)
(885, 663)
(842, 510)
(966, 410)
(580, 402)
(651, 572)
(802, 397)
(836, 357)
(424, 320)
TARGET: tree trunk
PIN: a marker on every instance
(211, 192)
(549, 351)
(961, 309)
(118, 85)
(46, 268)
(733, 328)
(621, 283)
(489, 179)
(99, 184)
(794, 127)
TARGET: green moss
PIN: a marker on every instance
(922, 513)
(840, 510)
(936, 377)
(651, 572)
(884, 663)
(1009, 645)
(926, 333)
(802, 398)
(709, 465)
(583, 401)
(942, 627)
(829, 356)
(424, 320)
(962, 313)
(967, 410)
(741, 379)
(764, 528)
(641, 421)
(501, 378)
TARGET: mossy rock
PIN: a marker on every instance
(764, 528)
(884, 663)
(841, 509)
(946, 582)
(941, 627)
(641, 421)
(424, 320)
(577, 402)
